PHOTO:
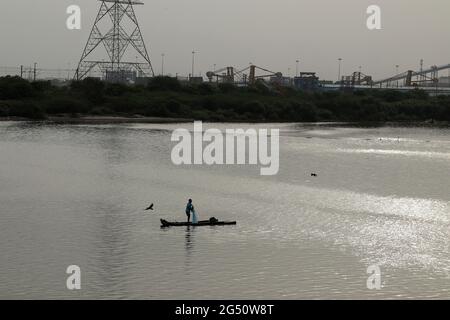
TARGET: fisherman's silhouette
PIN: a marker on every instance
(189, 209)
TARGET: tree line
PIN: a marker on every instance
(167, 97)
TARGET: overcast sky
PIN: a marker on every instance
(268, 33)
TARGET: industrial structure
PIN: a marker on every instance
(253, 74)
(246, 76)
(116, 65)
(425, 79)
(307, 81)
(422, 78)
(357, 79)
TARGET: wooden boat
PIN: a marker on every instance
(210, 222)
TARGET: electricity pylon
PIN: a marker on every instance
(117, 42)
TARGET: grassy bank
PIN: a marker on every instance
(166, 98)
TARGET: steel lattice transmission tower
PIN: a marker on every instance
(117, 42)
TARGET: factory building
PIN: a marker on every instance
(307, 81)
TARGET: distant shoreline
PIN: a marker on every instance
(68, 119)
(98, 120)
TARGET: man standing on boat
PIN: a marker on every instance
(189, 209)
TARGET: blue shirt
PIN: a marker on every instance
(189, 207)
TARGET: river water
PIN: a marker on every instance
(75, 194)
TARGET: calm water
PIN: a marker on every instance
(75, 194)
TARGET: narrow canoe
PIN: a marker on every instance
(165, 223)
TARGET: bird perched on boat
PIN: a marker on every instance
(150, 207)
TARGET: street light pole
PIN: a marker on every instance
(162, 64)
(339, 73)
(193, 63)
(34, 72)
(396, 72)
(297, 68)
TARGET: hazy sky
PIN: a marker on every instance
(268, 33)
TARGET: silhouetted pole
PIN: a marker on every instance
(193, 63)
(396, 71)
(34, 71)
(162, 64)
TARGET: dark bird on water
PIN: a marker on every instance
(150, 207)
(313, 174)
